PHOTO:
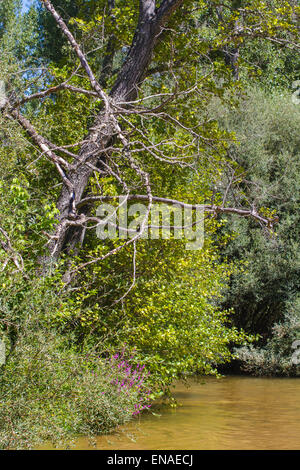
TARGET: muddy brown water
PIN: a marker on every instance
(227, 413)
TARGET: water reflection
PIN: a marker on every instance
(226, 413)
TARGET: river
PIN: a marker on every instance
(232, 412)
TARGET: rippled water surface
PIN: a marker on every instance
(226, 413)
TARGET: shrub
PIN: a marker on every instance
(50, 390)
(267, 131)
(275, 358)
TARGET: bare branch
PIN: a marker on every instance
(209, 208)
(55, 89)
(11, 253)
(133, 279)
(40, 141)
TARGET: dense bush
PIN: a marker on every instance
(264, 295)
(50, 390)
(276, 357)
(171, 314)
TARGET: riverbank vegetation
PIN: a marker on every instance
(193, 105)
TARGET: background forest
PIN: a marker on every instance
(194, 101)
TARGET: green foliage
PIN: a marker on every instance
(276, 357)
(174, 319)
(171, 314)
(56, 382)
(264, 293)
(271, 67)
(51, 391)
(26, 211)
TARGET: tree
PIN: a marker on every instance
(121, 113)
(135, 128)
(267, 150)
(121, 108)
(264, 295)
